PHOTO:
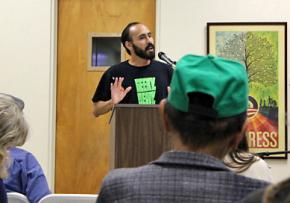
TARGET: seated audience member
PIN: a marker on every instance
(13, 132)
(26, 176)
(276, 193)
(243, 162)
(204, 115)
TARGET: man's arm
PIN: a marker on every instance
(117, 94)
(102, 107)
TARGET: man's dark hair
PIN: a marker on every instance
(126, 35)
(197, 130)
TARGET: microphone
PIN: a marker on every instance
(163, 57)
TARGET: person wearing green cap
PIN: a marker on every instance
(204, 116)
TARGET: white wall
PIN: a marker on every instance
(181, 29)
(26, 69)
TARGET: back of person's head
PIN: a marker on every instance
(125, 36)
(13, 127)
(274, 193)
(208, 99)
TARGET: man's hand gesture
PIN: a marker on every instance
(117, 90)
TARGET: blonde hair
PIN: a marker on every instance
(13, 129)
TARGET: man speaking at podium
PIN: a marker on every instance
(139, 80)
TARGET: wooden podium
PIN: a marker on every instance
(137, 135)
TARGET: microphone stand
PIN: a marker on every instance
(265, 154)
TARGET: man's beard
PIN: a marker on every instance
(143, 53)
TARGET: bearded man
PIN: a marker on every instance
(139, 80)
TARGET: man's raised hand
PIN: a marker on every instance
(117, 90)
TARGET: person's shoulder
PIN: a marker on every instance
(162, 67)
(160, 64)
(117, 181)
(260, 165)
(260, 170)
(18, 153)
(124, 172)
(124, 175)
(116, 69)
(250, 182)
(262, 162)
(22, 156)
(123, 64)
(243, 185)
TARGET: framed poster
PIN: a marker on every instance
(261, 47)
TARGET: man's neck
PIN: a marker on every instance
(214, 150)
(139, 62)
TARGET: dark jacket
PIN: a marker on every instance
(177, 177)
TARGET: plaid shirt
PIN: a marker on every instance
(177, 177)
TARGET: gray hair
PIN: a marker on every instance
(13, 128)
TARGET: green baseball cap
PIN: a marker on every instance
(226, 81)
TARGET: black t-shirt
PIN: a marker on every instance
(149, 83)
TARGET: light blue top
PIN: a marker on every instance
(26, 176)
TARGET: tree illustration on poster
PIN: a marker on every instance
(261, 47)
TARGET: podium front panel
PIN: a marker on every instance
(137, 135)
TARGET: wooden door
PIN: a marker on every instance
(82, 141)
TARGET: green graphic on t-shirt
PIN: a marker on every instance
(146, 90)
